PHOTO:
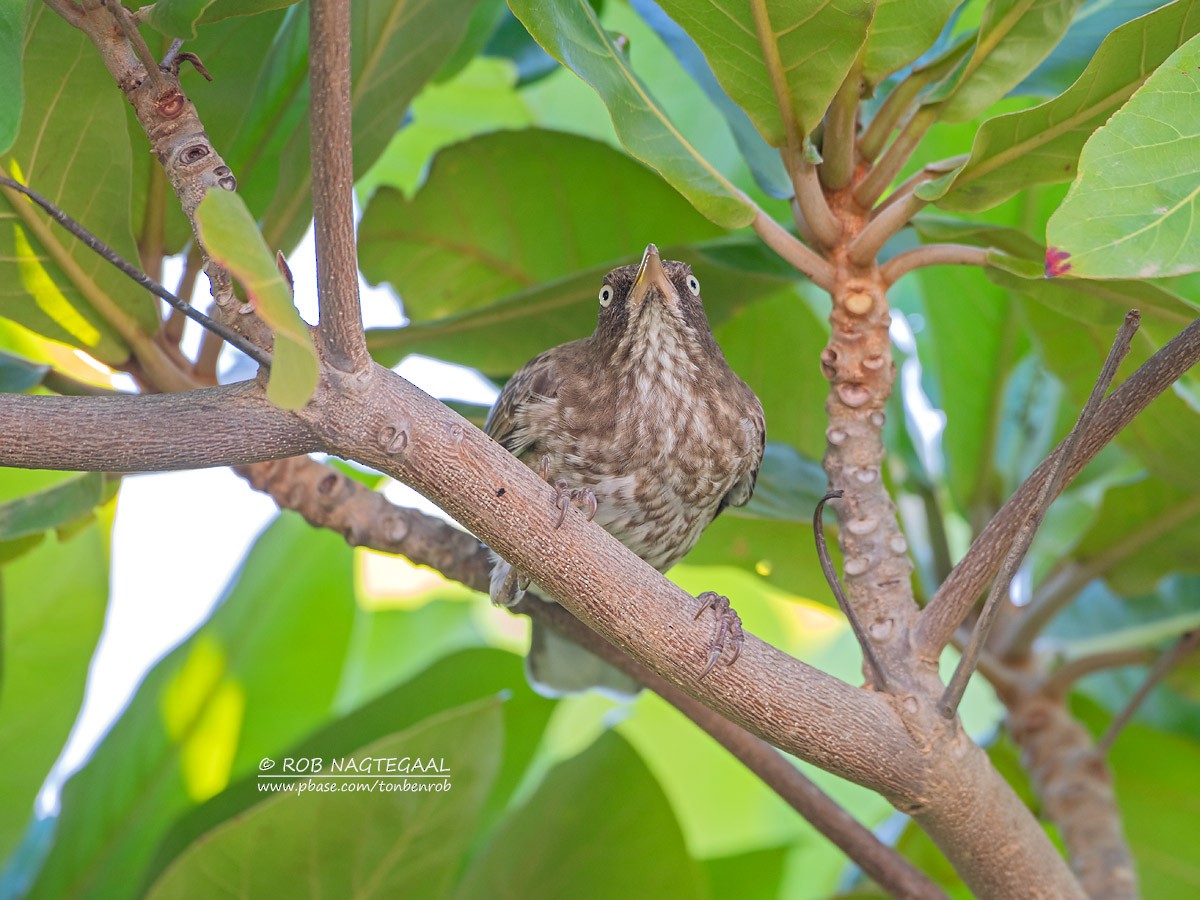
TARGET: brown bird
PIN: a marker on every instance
(645, 425)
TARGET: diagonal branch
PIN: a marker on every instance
(217, 426)
(340, 327)
(1028, 529)
(1164, 664)
(932, 255)
(958, 593)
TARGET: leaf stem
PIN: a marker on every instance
(787, 246)
(932, 255)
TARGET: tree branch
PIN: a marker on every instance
(1028, 528)
(887, 867)
(932, 255)
(954, 599)
(889, 222)
(1164, 664)
(217, 426)
(340, 326)
(810, 199)
(782, 242)
(1058, 682)
(1076, 791)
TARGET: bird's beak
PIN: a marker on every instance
(650, 274)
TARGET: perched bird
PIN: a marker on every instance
(643, 425)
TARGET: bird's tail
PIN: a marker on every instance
(557, 666)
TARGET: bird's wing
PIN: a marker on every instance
(756, 425)
(533, 386)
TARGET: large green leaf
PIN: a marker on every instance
(572, 33)
(508, 211)
(72, 148)
(396, 46)
(1133, 210)
(1042, 145)
(782, 62)
(234, 240)
(1142, 531)
(901, 31)
(361, 844)
(1014, 36)
(499, 338)
(179, 18)
(261, 673)
(482, 97)
(461, 678)
(53, 602)
(604, 829)
(12, 32)
(56, 507)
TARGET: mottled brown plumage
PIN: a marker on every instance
(645, 415)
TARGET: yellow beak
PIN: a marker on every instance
(651, 274)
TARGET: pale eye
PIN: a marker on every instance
(693, 285)
(606, 295)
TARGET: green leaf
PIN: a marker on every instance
(482, 97)
(572, 33)
(18, 375)
(511, 210)
(457, 679)
(13, 15)
(54, 598)
(1042, 145)
(232, 238)
(396, 46)
(781, 61)
(49, 281)
(260, 674)
(589, 846)
(901, 31)
(1143, 530)
(356, 844)
(1093, 22)
(179, 18)
(499, 338)
(1014, 36)
(52, 508)
(1132, 211)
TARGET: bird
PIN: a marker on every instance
(644, 426)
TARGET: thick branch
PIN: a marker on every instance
(810, 200)
(1077, 794)
(340, 325)
(959, 592)
(218, 426)
(932, 255)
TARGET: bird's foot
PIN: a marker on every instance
(564, 496)
(508, 585)
(729, 629)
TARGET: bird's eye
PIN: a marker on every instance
(606, 295)
(693, 285)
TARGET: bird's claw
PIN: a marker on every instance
(564, 496)
(729, 628)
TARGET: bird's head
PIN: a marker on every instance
(652, 307)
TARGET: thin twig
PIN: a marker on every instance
(864, 248)
(810, 199)
(172, 330)
(787, 246)
(895, 157)
(958, 593)
(1020, 546)
(932, 255)
(836, 586)
(879, 861)
(205, 367)
(340, 325)
(172, 51)
(1164, 664)
(1060, 680)
(103, 250)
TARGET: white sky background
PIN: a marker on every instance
(178, 537)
